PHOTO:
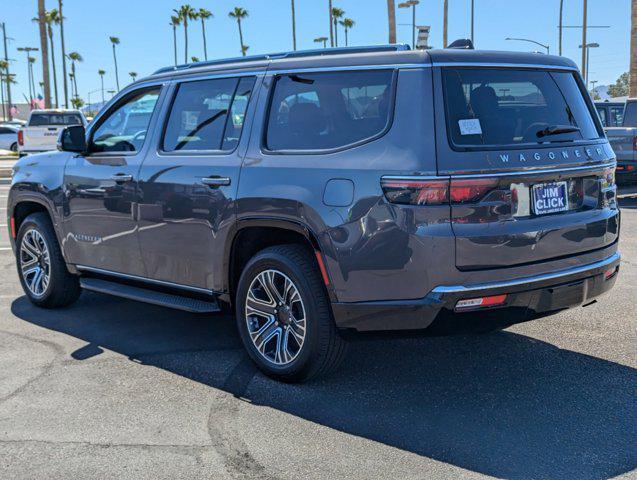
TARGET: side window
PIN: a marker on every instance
(617, 116)
(323, 111)
(4, 131)
(124, 129)
(207, 115)
(602, 116)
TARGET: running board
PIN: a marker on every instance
(149, 296)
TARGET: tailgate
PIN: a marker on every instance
(41, 138)
(623, 142)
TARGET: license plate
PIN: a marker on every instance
(550, 198)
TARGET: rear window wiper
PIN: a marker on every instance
(556, 130)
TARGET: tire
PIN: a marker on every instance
(59, 288)
(321, 350)
(14, 147)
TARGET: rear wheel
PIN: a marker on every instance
(41, 267)
(14, 147)
(284, 317)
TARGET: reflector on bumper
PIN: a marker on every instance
(480, 302)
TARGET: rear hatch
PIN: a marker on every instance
(42, 131)
(531, 174)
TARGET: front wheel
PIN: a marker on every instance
(284, 317)
(41, 267)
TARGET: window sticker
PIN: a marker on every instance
(470, 126)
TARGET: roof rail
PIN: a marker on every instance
(295, 54)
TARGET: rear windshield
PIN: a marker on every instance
(43, 119)
(505, 107)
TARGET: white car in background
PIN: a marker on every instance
(9, 137)
(40, 134)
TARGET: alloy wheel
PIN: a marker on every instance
(35, 263)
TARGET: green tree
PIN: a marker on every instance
(204, 15)
(74, 57)
(239, 14)
(114, 42)
(101, 73)
(175, 21)
(322, 40)
(77, 102)
(337, 13)
(620, 87)
(194, 59)
(347, 23)
(185, 13)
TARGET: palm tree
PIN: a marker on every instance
(74, 57)
(101, 73)
(133, 75)
(66, 87)
(31, 61)
(445, 22)
(185, 13)
(194, 59)
(293, 26)
(204, 15)
(239, 14)
(44, 47)
(347, 23)
(53, 18)
(322, 40)
(71, 77)
(329, 6)
(245, 49)
(114, 42)
(175, 21)
(336, 14)
(4, 65)
(391, 18)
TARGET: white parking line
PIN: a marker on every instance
(4, 249)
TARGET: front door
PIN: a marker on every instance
(101, 193)
(188, 184)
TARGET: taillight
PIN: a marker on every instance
(20, 138)
(471, 190)
(412, 191)
(408, 191)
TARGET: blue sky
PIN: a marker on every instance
(146, 37)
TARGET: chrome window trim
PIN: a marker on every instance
(527, 280)
(505, 65)
(143, 279)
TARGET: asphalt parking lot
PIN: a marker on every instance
(110, 388)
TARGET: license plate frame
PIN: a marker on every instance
(550, 197)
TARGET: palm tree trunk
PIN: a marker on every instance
(102, 83)
(633, 50)
(445, 23)
(116, 72)
(175, 42)
(331, 24)
(203, 32)
(75, 79)
(64, 74)
(243, 52)
(560, 26)
(346, 39)
(55, 76)
(293, 26)
(4, 112)
(391, 17)
(185, 40)
(335, 32)
(44, 48)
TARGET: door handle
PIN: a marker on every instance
(216, 181)
(121, 177)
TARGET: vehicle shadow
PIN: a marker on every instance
(500, 404)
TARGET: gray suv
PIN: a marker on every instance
(316, 193)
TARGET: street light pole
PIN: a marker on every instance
(584, 50)
(412, 4)
(548, 48)
(27, 51)
(587, 56)
(472, 19)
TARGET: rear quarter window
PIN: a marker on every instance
(506, 107)
(327, 111)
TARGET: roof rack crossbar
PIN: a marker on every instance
(294, 54)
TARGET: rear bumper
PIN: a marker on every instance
(626, 171)
(537, 294)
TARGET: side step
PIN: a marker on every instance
(149, 296)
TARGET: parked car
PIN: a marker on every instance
(611, 114)
(8, 138)
(43, 127)
(621, 130)
(313, 194)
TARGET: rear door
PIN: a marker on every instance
(188, 183)
(532, 176)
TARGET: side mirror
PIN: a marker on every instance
(72, 139)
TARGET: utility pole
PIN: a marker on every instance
(472, 19)
(445, 15)
(561, 24)
(6, 58)
(329, 4)
(44, 48)
(584, 49)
